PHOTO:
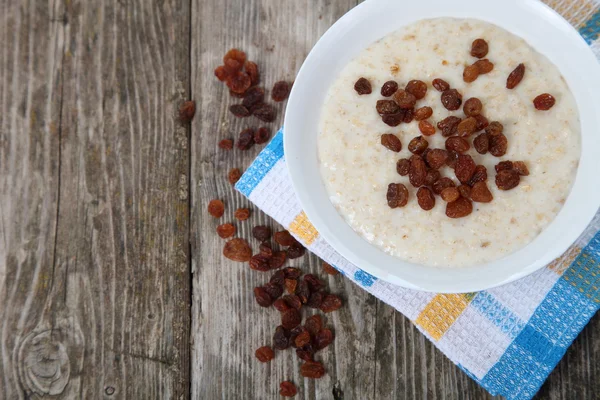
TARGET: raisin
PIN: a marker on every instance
(261, 135)
(226, 144)
(293, 301)
(451, 99)
(385, 107)
(314, 283)
(472, 107)
(235, 54)
(417, 88)
(329, 270)
(479, 48)
(391, 142)
(295, 251)
(216, 208)
(226, 231)
(393, 119)
(255, 95)
(418, 145)
(280, 305)
(465, 168)
(433, 175)
(278, 278)
(442, 184)
(397, 195)
(315, 300)
(234, 175)
(409, 115)
(261, 232)
(362, 86)
(457, 144)
(450, 194)
(494, 128)
(290, 285)
(262, 297)
(264, 112)
(484, 66)
(480, 175)
(437, 158)
(323, 338)
(440, 85)
(252, 69)
(498, 145)
(290, 318)
(389, 88)
(521, 168)
(404, 99)
(459, 208)
(465, 191)
(330, 303)
(481, 143)
(232, 67)
(515, 77)
(287, 389)
(423, 113)
(221, 73)
(418, 171)
(265, 250)
(452, 157)
(239, 83)
(426, 128)
(281, 338)
(503, 166)
(470, 73)
(482, 122)
(187, 110)
(242, 214)
(425, 198)
(292, 272)
(480, 193)
(246, 139)
(449, 125)
(284, 238)
(544, 101)
(280, 91)
(306, 353)
(314, 324)
(264, 354)
(403, 166)
(274, 290)
(507, 179)
(466, 127)
(294, 333)
(312, 369)
(239, 110)
(237, 95)
(277, 260)
(302, 339)
(259, 262)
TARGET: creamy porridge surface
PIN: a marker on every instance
(357, 169)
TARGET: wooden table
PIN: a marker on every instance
(112, 283)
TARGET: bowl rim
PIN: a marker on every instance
(568, 51)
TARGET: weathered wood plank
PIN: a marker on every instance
(94, 294)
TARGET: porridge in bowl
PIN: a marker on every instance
(450, 142)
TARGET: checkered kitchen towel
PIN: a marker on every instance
(509, 338)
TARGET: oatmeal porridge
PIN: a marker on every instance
(359, 158)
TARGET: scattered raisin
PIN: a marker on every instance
(302, 339)
(264, 354)
(290, 285)
(484, 66)
(312, 369)
(480, 175)
(234, 175)
(362, 86)
(472, 107)
(404, 99)
(187, 110)
(235, 54)
(507, 179)
(277, 260)
(440, 85)
(417, 172)
(389, 88)
(221, 73)
(465, 191)
(242, 214)
(239, 110)
(418, 145)
(544, 102)
(232, 67)
(323, 338)
(330, 303)
(442, 184)
(481, 143)
(225, 231)
(280, 91)
(303, 291)
(278, 278)
(433, 175)
(329, 270)
(425, 198)
(393, 119)
(259, 262)
(459, 208)
(293, 301)
(252, 70)
(403, 166)
(423, 113)
(290, 318)
(521, 168)
(470, 73)
(498, 145)
(292, 272)
(397, 195)
(264, 112)
(437, 158)
(457, 144)
(266, 249)
(466, 127)
(494, 128)
(287, 389)
(262, 297)
(426, 128)
(274, 290)
(314, 324)
(465, 168)
(281, 338)
(451, 99)
(482, 122)
(295, 251)
(449, 125)
(261, 232)
(255, 95)
(315, 300)
(284, 238)
(409, 115)
(479, 48)
(239, 82)
(385, 107)
(261, 135)
(503, 166)
(480, 193)
(391, 142)
(246, 139)
(417, 88)
(280, 305)
(515, 77)
(314, 283)
(226, 144)
(306, 353)
(450, 194)
(216, 208)
(452, 157)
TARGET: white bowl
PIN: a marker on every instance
(542, 28)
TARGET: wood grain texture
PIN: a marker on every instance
(94, 287)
